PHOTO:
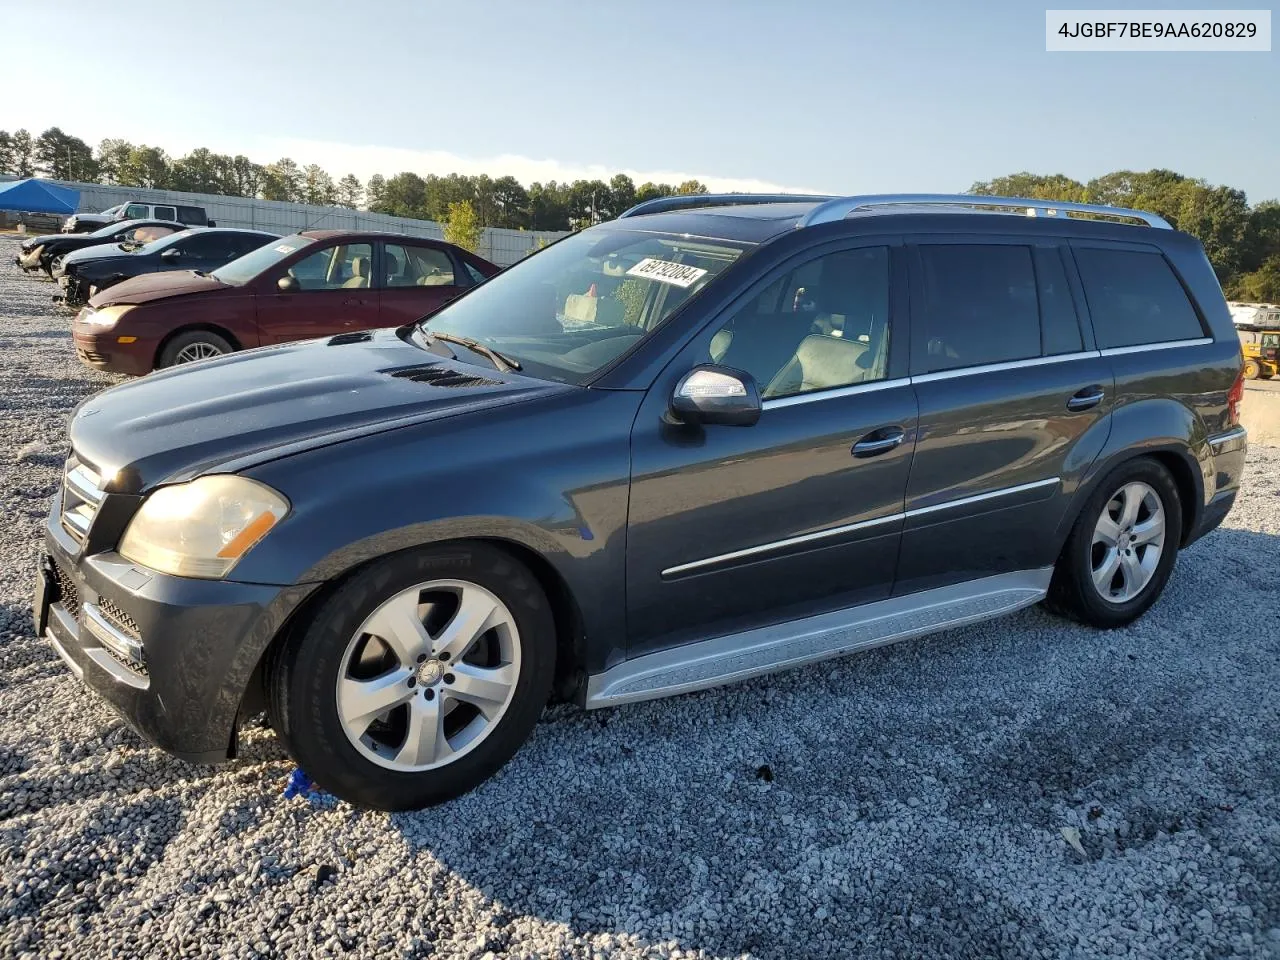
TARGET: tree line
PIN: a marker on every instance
(496, 202)
(1242, 242)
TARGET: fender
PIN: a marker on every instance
(1160, 426)
(561, 495)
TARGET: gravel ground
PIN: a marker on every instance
(911, 801)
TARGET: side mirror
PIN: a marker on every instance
(288, 284)
(170, 254)
(717, 395)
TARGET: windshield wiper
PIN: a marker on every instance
(499, 360)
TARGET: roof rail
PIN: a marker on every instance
(684, 201)
(841, 207)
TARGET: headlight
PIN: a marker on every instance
(106, 318)
(202, 528)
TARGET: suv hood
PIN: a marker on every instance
(227, 414)
(157, 286)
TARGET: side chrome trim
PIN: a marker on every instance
(709, 663)
(851, 527)
(835, 392)
(1222, 439)
(781, 544)
(1144, 347)
(979, 497)
(1007, 365)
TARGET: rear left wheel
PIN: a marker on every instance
(1122, 548)
(419, 679)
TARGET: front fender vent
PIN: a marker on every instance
(437, 376)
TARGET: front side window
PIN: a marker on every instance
(476, 275)
(978, 305)
(1135, 298)
(344, 266)
(408, 266)
(206, 246)
(136, 211)
(570, 309)
(1271, 340)
(253, 265)
(822, 326)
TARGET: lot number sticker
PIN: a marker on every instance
(664, 271)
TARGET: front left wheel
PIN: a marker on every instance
(418, 679)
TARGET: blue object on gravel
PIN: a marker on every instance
(299, 783)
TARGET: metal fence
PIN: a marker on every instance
(503, 247)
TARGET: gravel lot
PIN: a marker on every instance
(910, 801)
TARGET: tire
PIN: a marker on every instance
(320, 681)
(1252, 370)
(187, 347)
(1080, 588)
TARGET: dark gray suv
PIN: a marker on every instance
(714, 438)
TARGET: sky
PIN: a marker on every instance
(814, 95)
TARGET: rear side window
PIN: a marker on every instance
(1059, 326)
(1135, 298)
(191, 215)
(979, 305)
(166, 213)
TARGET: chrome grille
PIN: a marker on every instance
(119, 618)
(68, 593)
(81, 496)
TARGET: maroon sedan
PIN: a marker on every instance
(311, 284)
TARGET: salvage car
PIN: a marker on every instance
(717, 437)
(185, 214)
(39, 253)
(305, 285)
(83, 273)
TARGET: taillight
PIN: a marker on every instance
(1234, 396)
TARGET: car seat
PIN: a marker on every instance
(359, 273)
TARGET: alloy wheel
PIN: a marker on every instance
(428, 675)
(1128, 541)
(197, 351)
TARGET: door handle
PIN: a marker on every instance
(352, 302)
(1086, 397)
(879, 441)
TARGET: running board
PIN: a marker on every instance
(709, 663)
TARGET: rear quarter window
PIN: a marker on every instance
(1135, 298)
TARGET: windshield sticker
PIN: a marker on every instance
(664, 271)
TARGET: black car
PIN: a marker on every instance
(690, 446)
(83, 273)
(39, 253)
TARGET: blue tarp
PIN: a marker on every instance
(38, 196)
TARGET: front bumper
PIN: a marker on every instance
(174, 656)
(102, 350)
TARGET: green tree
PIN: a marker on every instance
(146, 167)
(112, 157)
(1260, 286)
(22, 154)
(203, 171)
(245, 177)
(1262, 236)
(317, 186)
(403, 195)
(282, 180)
(64, 157)
(349, 191)
(462, 226)
(512, 201)
(6, 151)
(1034, 186)
(690, 187)
(373, 193)
(622, 194)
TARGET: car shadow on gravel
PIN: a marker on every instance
(934, 782)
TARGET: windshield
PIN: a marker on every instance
(112, 211)
(241, 271)
(1271, 339)
(568, 311)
